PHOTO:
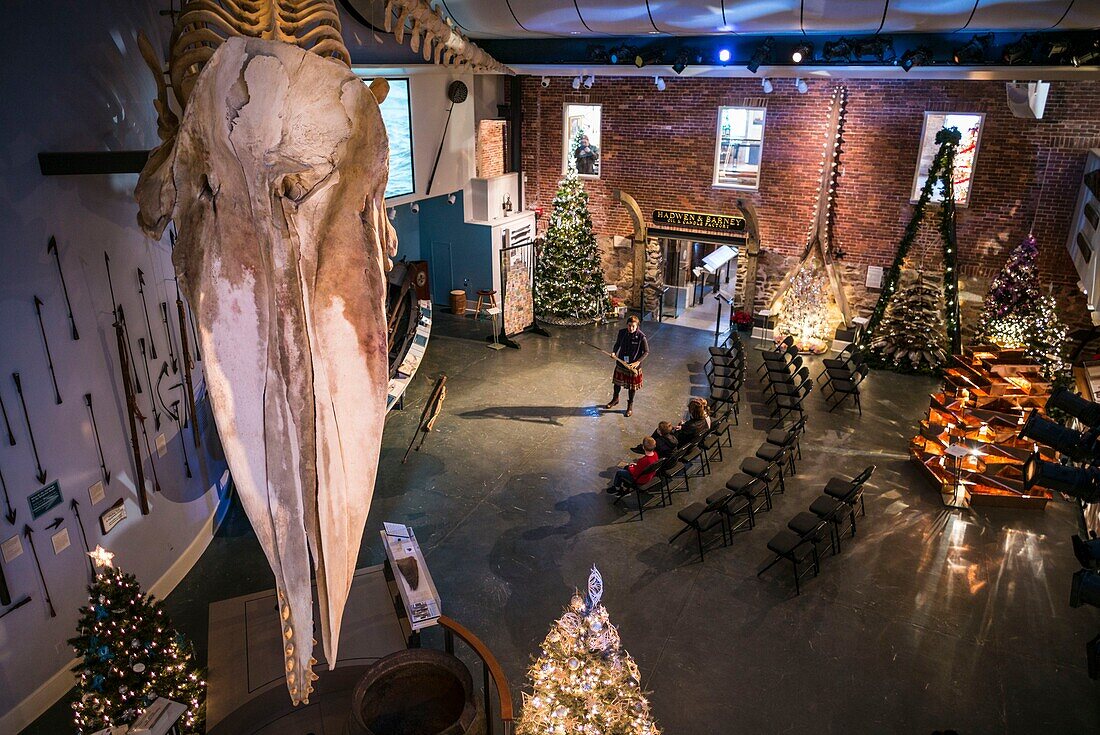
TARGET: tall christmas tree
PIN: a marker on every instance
(940, 174)
(912, 336)
(130, 656)
(583, 682)
(1017, 315)
(569, 284)
(805, 311)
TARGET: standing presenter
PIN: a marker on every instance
(631, 346)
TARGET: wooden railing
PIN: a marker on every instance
(489, 668)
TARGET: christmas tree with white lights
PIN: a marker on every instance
(804, 314)
(1015, 314)
(569, 283)
(583, 682)
(130, 656)
(913, 336)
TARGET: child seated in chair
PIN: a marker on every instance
(636, 473)
(666, 442)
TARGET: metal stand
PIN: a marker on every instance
(493, 312)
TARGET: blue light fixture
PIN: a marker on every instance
(724, 55)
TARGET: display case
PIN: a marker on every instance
(969, 444)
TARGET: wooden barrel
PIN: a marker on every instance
(458, 302)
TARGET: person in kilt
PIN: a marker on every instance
(631, 346)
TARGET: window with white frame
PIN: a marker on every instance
(969, 125)
(581, 140)
(738, 147)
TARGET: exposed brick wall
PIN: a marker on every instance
(659, 147)
(491, 145)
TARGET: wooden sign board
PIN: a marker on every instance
(699, 220)
(112, 516)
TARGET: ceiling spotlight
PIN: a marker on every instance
(767, 85)
(620, 54)
(834, 51)
(916, 57)
(1088, 55)
(577, 82)
(391, 213)
(801, 86)
(1019, 52)
(803, 52)
(974, 51)
(597, 55)
(545, 82)
(682, 60)
(660, 84)
(761, 55)
(1058, 50)
(589, 81)
(647, 58)
(451, 198)
(1080, 482)
(879, 48)
(724, 55)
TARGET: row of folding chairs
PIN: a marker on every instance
(843, 375)
(786, 380)
(725, 371)
(674, 472)
(828, 519)
(748, 492)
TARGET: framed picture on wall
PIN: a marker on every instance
(581, 140)
(969, 125)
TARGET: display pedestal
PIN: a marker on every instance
(246, 692)
(969, 444)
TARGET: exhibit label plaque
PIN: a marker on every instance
(112, 516)
(699, 220)
(42, 500)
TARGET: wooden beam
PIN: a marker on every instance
(97, 162)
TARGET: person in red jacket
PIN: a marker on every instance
(639, 472)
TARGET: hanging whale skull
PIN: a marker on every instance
(275, 179)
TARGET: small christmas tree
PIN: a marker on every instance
(569, 284)
(584, 682)
(1016, 314)
(912, 336)
(805, 311)
(571, 159)
(130, 655)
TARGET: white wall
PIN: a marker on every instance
(428, 96)
(77, 83)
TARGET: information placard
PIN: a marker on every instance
(41, 501)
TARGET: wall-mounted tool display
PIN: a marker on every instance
(7, 423)
(145, 309)
(41, 476)
(98, 444)
(9, 514)
(131, 399)
(28, 533)
(75, 508)
(38, 303)
(52, 248)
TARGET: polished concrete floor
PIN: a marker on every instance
(927, 620)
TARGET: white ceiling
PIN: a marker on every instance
(564, 18)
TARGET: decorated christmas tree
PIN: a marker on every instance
(583, 682)
(912, 336)
(1017, 315)
(571, 159)
(131, 656)
(804, 314)
(569, 285)
(941, 174)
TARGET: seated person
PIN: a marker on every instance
(666, 440)
(637, 473)
(706, 408)
(698, 423)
